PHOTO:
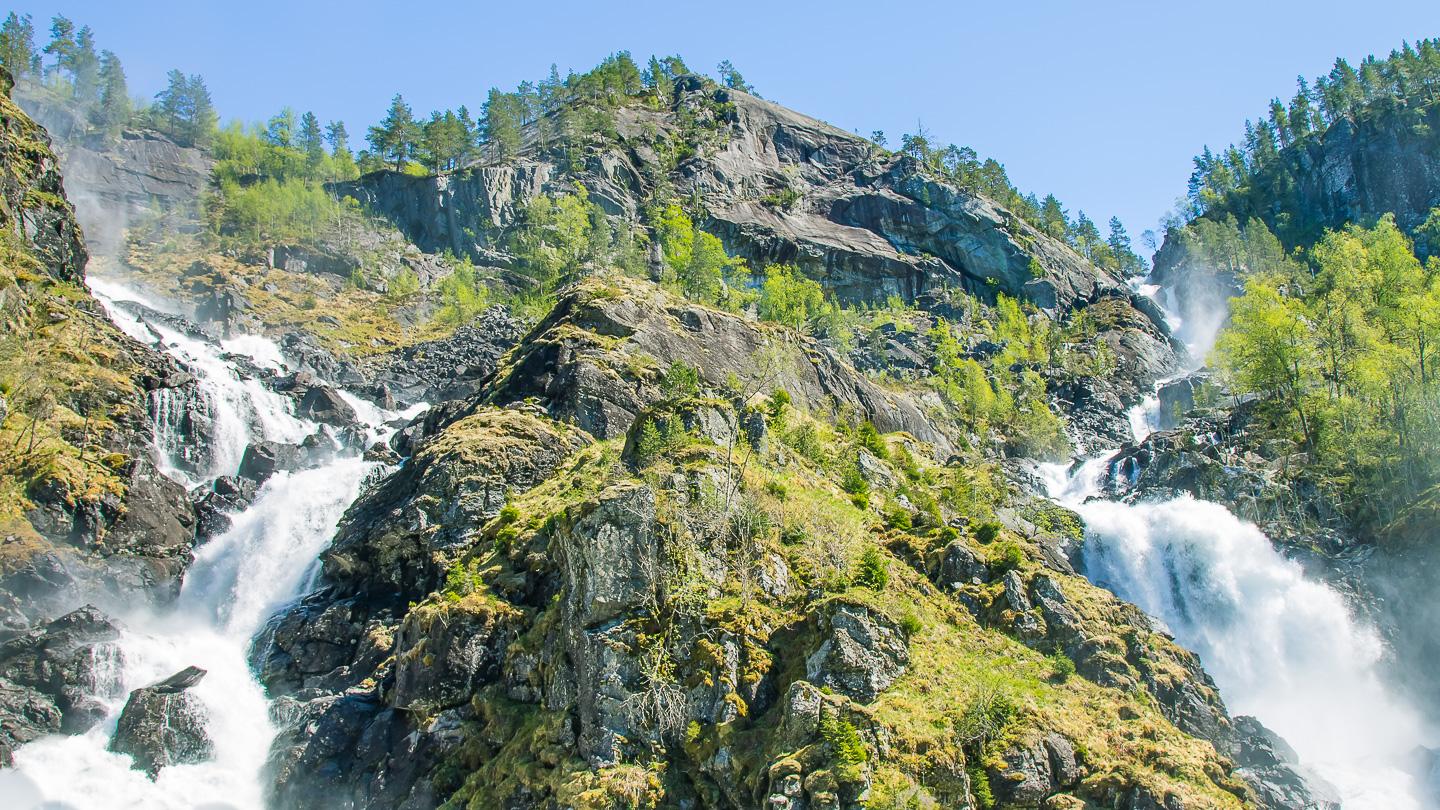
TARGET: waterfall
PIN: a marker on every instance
(1281, 646)
(238, 580)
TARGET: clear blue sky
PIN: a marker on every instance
(1101, 103)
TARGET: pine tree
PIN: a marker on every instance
(731, 77)
(62, 44)
(200, 128)
(17, 46)
(501, 124)
(85, 67)
(338, 138)
(1120, 249)
(395, 138)
(113, 112)
(1052, 218)
(311, 139)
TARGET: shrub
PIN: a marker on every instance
(987, 532)
(849, 749)
(1061, 667)
(980, 786)
(681, 381)
(405, 285)
(898, 517)
(1011, 556)
(853, 482)
(779, 401)
(871, 572)
(911, 625)
(870, 439)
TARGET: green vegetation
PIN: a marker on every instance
(72, 73)
(1006, 392)
(1262, 175)
(1342, 350)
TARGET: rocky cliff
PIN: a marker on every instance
(84, 514)
(602, 582)
(778, 187)
(113, 184)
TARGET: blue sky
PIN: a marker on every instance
(1102, 104)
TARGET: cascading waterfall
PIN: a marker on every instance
(1281, 646)
(238, 580)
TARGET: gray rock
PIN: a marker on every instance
(322, 404)
(263, 459)
(960, 565)
(66, 663)
(163, 724)
(861, 654)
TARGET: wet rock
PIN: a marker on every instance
(862, 653)
(26, 714)
(69, 663)
(1270, 766)
(322, 404)
(163, 724)
(263, 459)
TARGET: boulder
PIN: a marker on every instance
(960, 565)
(861, 653)
(163, 724)
(323, 404)
(263, 459)
(68, 664)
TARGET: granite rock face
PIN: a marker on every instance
(866, 224)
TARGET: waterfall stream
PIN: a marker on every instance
(238, 579)
(1281, 646)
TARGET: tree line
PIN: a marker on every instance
(553, 109)
(962, 166)
(94, 84)
(1261, 173)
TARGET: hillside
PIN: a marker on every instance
(663, 447)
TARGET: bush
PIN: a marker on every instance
(1011, 556)
(898, 517)
(987, 532)
(853, 482)
(779, 401)
(405, 285)
(872, 572)
(911, 625)
(1061, 667)
(681, 381)
(869, 439)
(980, 786)
(849, 749)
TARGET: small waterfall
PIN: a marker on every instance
(239, 579)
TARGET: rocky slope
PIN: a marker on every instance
(649, 553)
(549, 606)
(866, 223)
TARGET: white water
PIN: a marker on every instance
(238, 580)
(1281, 647)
